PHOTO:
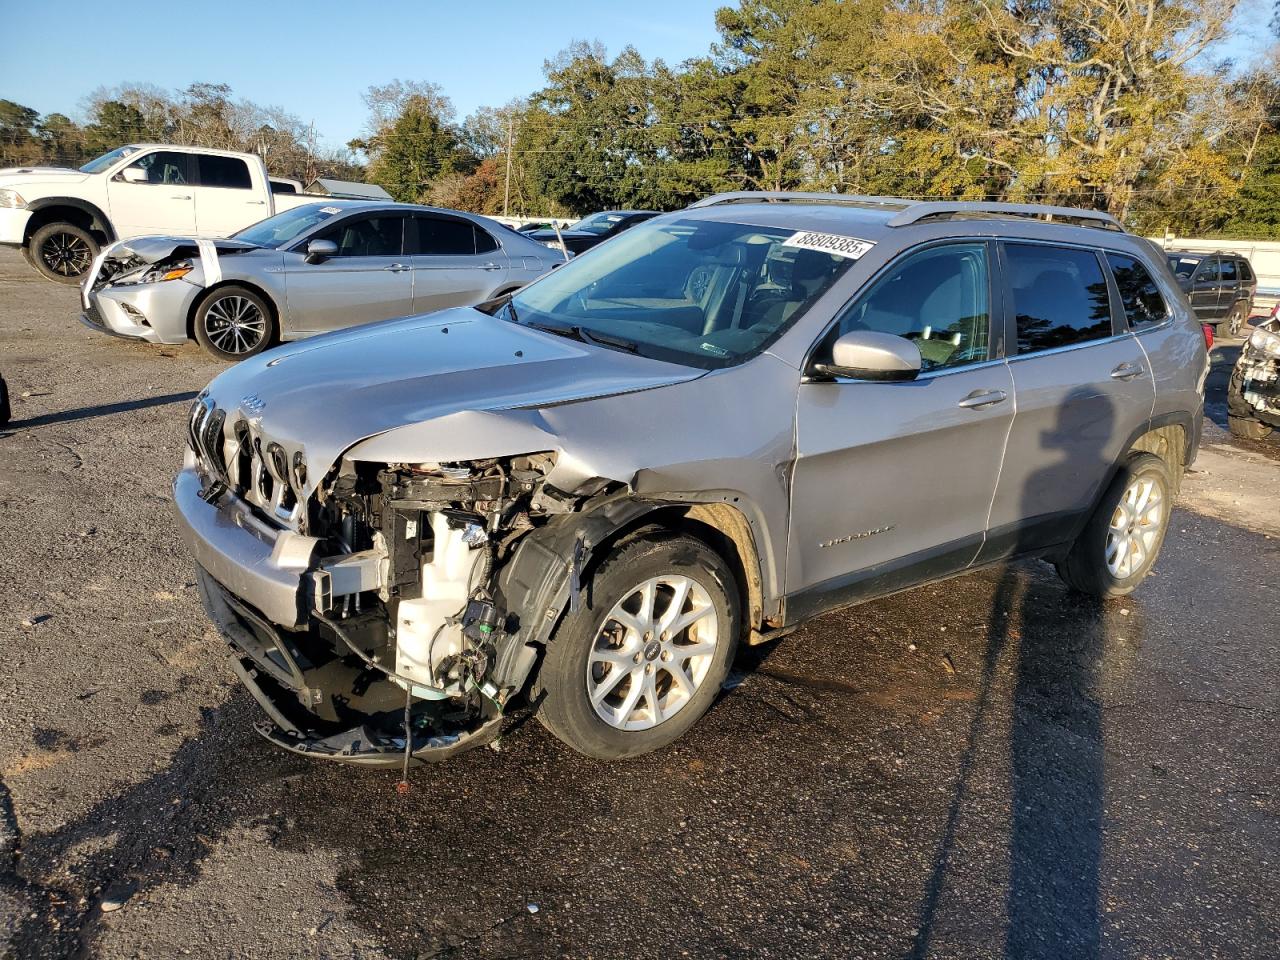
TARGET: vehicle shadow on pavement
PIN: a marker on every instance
(102, 410)
(1056, 743)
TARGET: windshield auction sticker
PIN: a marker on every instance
(831, 243)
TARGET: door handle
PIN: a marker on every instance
(256, 203)
(185, 196)
(1127, 371)
(982, 398)
(397, 268)
(492, 266)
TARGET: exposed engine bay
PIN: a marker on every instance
(1254, 390)
(416, 597)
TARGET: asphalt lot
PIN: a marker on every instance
(986, 767)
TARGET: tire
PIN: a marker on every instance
(234, 323)
(1237, 405)
(1231, 326)
(1248, 428)
(1087, 567)
(624, 725)
(62, 252)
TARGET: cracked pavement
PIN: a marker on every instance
(985, 766)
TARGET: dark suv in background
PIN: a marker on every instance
(1220, 287)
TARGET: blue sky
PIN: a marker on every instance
(316, 59)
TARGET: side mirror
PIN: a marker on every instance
(133, 175)
(318, 251)
(868, 355)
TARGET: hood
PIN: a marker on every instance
(155, 249)
(325, 394)
(14, 175)
(541, 235)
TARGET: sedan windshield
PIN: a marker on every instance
(283, 227)
(699, 292)
(597, 223)
(98, 164)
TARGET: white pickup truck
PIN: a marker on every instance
(61, 217)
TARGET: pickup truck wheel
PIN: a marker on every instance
(645, 653)
(233, 323)
(1122, 539)
(62, 252)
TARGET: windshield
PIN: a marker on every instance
(699, 292)
(107, 159)
(598, 223)
(1183, 267)
(283, 227)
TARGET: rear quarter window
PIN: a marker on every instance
(1139, 296)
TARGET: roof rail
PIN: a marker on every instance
(796, 196)
(915, 211)
(958, 209)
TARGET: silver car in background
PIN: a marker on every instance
(309, 270)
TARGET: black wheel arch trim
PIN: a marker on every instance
(97, 219)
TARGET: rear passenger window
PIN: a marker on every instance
(443, 236)
(1227, 271)
(1060, 296)
(1143, 304)
(936, 298)
(225, 172)
(1246, 271)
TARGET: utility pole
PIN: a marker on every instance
(506, 193)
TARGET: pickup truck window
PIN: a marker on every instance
(226, 172)
(286, 226)
(163, 166)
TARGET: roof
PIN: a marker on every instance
(347, 188)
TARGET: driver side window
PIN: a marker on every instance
(163, 167)
(938, 299)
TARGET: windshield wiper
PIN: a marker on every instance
(578, 332)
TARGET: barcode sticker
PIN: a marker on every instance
(834, 244)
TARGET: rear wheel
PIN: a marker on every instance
(1231, 326)
(1120, 543)
(62, 252)
(234, 323)
(645, 653)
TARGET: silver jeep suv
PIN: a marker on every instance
(729, 419)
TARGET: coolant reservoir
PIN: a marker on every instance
(421, 640)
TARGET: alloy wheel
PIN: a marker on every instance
(66, 254)
(1135, 527)
(235, 324)
(652, 652)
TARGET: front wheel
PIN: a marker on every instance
(1120, 543)
(62, 252)
(234, 323)
(645, 653)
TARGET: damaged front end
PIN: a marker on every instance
(1254, 391)
(397, 609)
